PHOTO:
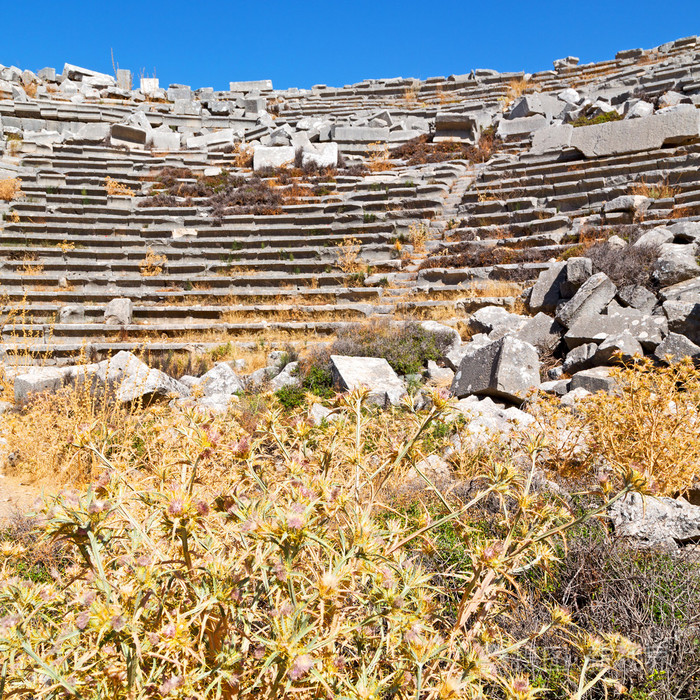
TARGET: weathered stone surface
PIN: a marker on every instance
(675, 264)
(546, 293)
(323, 155)
(591, 298)
(684, 318)
(595, 379)
(246, 86)
(573, 396)
(495, 318)
(637, 297)
(627, 136)
(221, 379)
(656, 522)
(119, 311)
(677, 346)
(521, 127)
(375, 373)
(37, 380)
(620, 347)
(486, 419)
(643, 134)
(635, 204)
(541, 331)
(543, 104)
(578, 270)
(72, 313)
(581, 357)
(272, 157)
(648, 330)
(287, 377)
(439, 375)
(507, 368)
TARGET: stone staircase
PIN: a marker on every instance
(432, 241)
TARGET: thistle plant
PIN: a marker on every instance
(211, 562)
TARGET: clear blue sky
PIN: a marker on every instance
(208, 42)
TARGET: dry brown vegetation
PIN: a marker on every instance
(152, 264)
(423, 150)
(10, 188)
(114, 187)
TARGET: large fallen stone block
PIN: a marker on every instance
(656, 522)
(620, 347)
(647, 330)
(359, 134)
(684, 318)
(322, 155)
(627, 136)
(495, 318)
(455, 126)
(221, 379)
(507, 368)
(246, 86)
(631, 136)
(127, 379)
(675, 347)
(541, 331)
(537, 103)
(129, 135)
(595, 379)
(92, 133)
(272, 157)
(546, 293)
(375, 373)
(522, 126)
(37, 380)
(119, 311)
(676, 263)
(591, 298)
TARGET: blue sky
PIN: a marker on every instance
(209, 43)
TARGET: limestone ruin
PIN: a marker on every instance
(396, 198)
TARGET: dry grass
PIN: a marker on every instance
(10, 188)
(378, 157)
(658, 190)
(30, 89)
(418, 235)
(117, 188)
(517, 88)
(152, 264)
(347, 252)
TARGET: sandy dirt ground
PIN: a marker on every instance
(16, 497)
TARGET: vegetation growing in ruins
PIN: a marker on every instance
(114, 187)
(423, 149)
(604, 118)
(10, 188)
(649, 424)
(655, 190)
(152, 264)
(629, 265)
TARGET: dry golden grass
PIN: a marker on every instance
(242, 156)
(10, 188)
(657, 190)
(378, 157)
(517, 88)
(30, 89)
(418, 235)
(152, 264)
(347, 252)
(117, 188)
